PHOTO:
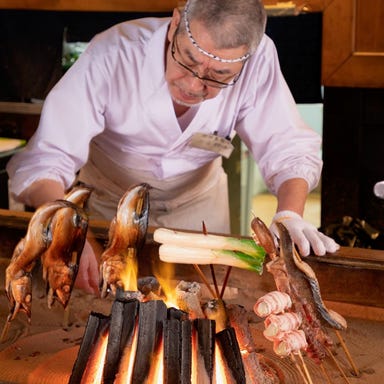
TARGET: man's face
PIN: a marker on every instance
(184, 62)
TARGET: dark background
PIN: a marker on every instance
(31, 49)
(353, 127)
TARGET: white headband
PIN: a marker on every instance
(211, 55)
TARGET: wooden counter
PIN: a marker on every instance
(352, 276)
(45, 350)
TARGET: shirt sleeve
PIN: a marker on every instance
(72, 115)
(269, 124)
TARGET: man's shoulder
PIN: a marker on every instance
(133, 30)
(266, 53)
(129, 36)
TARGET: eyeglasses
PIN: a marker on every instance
(206, 80)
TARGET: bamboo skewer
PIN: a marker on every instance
(214, 281)
(338, 365)
(305, 368)
(225, 282)
(201, 274)
(297, 365)
(205, 232)
(347, 353)
(66, 315)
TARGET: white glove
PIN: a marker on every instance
(304, 234)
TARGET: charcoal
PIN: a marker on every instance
(177, 348)
(172, 351)
(148, 284)
(123, 319)
(96, 325)
(239, 317)
(174, 313)
(122, 295)
(188, 297)
(152, 314)
(231, 355)
(205, 331)
(215, 310)
(186, 351)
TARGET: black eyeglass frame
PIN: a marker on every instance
(206, 80)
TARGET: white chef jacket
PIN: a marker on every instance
(115, 96)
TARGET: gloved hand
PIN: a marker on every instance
(305, 235)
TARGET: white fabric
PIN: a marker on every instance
(305, 235)
(182, 202)
(116, 96)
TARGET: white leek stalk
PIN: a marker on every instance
(197, 248)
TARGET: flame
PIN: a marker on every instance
(95, 365)
(127, 361)
(129, 275)
(164, 273)
(157, 369)
(219, 366)
(94, 369)
(197, 365)
(194, 359)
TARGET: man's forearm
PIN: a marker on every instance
(42, 191)
(292, 196)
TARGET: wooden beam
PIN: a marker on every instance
(305, 5)
(346, 256)
(20, 108)
(92, 5)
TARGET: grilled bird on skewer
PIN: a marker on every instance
(126, 236)
(18, 277)
(78, 195)
(39, 236)
(60, 261)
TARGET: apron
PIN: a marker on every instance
(181, 202)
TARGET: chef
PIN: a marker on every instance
(159, 100)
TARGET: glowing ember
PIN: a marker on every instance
(157, 373)
(219, 366)
(94, 370)
(127, 362)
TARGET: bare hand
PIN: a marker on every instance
(88, 276)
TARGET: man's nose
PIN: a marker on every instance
(195, 83)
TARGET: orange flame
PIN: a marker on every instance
(219, 366)
(128, 360)
(164, 274)
(157, 369)
(94, 370)
(95, 365)
(129, 275)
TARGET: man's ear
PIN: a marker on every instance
(174, 23)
